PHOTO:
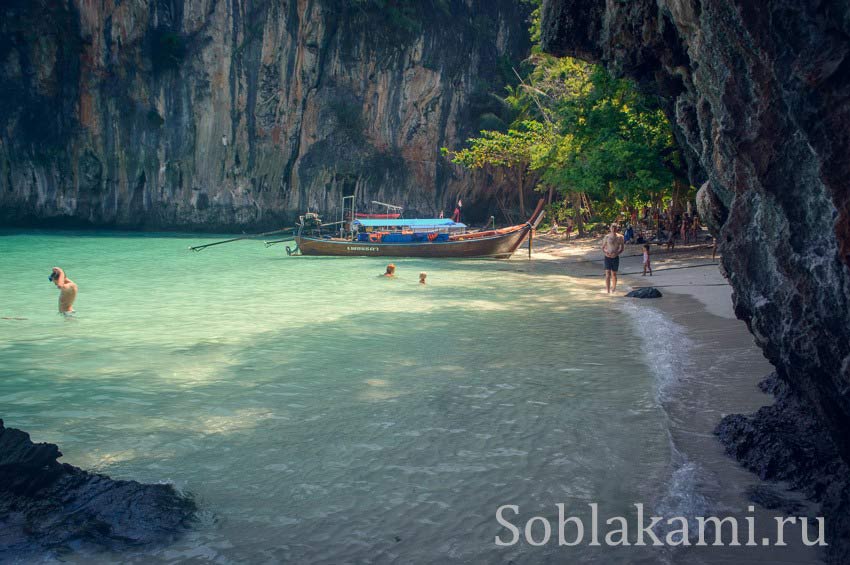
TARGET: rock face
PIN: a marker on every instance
(208, 114)
(760, 95)
(45, 504)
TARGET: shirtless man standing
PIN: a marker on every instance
(67, 290)
(612, 245)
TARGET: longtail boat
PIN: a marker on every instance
(437, 238)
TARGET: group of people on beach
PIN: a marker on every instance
(670, 228)
(684, 227)
(390, 273)
(554, 230)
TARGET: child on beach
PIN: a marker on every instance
(646, 265)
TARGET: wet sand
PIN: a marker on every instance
(722, 367)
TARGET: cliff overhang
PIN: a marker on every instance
(759, 95)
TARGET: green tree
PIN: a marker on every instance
(582, 132)
(613, 143)
(518, 150)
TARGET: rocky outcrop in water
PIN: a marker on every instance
(760, 96)
(47, 505)
(785, 442)
(215, 115)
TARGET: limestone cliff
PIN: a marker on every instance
(223, 114)
(760, 95)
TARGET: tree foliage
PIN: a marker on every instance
(519, 150)
(613, 140)
(577, 129)
(519, 147)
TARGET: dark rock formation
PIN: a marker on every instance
(785, 442)
(218, 115)
(644, 292)
(760, 96)
(45, 504)
(771, 498)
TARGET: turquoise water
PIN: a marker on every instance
(319, 413)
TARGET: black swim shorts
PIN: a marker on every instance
(612, 264)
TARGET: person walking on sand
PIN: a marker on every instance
(67, 290)
(646, 265)
(612, 246)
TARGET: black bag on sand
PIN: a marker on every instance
(645, 292)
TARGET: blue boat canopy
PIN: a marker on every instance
(418, 223)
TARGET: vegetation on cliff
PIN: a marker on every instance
(580, 132)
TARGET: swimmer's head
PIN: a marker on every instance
(390, 269)
(422, 277)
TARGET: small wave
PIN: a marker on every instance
(666, 353)
(683, 497)
(666, 347)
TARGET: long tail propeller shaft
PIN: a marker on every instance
(202, 247)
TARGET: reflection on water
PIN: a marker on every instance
(321, 414)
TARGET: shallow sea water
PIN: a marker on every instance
(321, 414)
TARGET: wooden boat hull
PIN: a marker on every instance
(499, 246)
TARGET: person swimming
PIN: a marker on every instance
(422, 277)
(390, 272)
(67, 291)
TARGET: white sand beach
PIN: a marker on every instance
(687, 269)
